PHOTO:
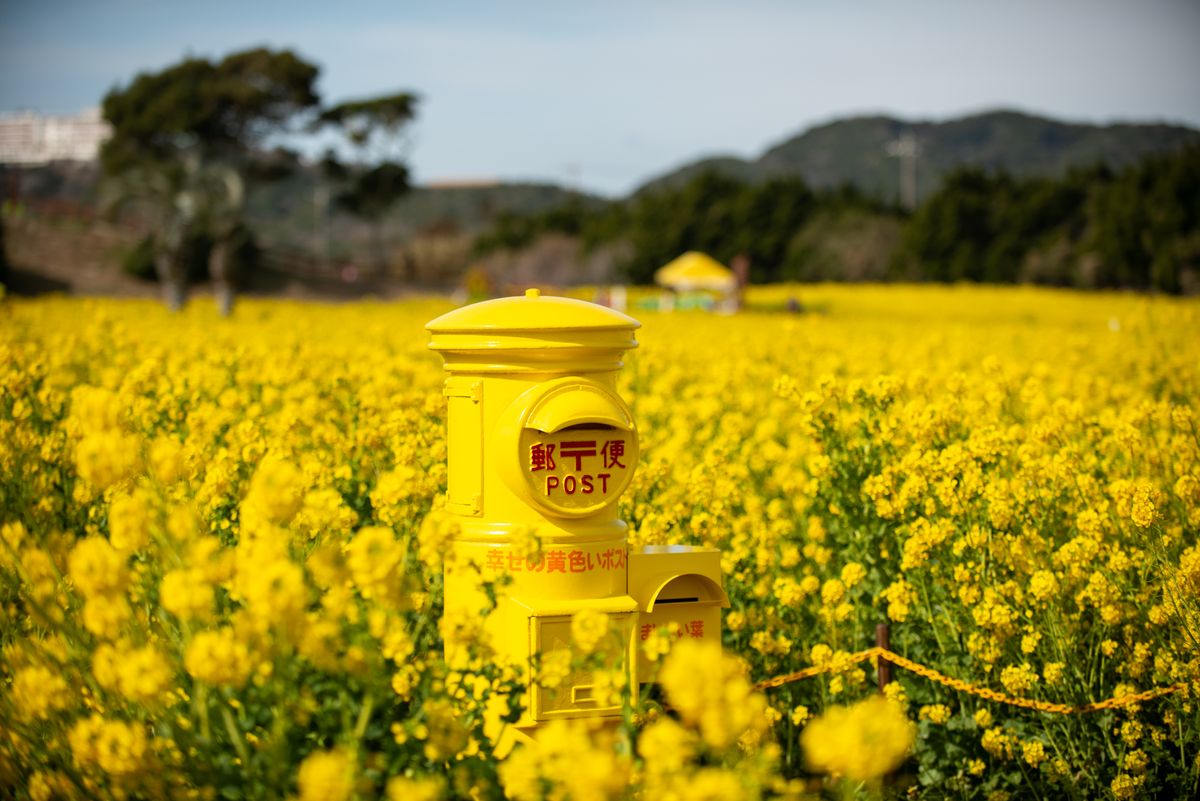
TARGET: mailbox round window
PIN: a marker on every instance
(578, 470)
(577, 448)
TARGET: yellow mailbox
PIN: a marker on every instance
(539, 442)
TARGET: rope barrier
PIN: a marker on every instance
(839, 664)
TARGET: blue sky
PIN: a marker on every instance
(610, 94)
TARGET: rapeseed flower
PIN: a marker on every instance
(710, 691)
(218, 657)
(38, 692)
(860, 742)
(326, 776)
(588, 628)
(934, 713)
(210, 524)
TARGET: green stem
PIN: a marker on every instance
(235, 736)
(929, 612)
(364, 717)
(200, 703)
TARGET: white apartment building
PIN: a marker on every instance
(30, 138)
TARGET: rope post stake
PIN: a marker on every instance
(884, 668)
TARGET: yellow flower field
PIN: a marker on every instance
(220, 552)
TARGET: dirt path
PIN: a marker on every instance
(72, 256)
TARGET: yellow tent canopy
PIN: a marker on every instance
(695, 270)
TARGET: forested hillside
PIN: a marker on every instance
(1135, 227)
(1000, 197)
(856, 151)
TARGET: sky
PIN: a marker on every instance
(605, 96)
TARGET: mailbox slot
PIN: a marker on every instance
(578, 403)
(689, 588)
(581, 695)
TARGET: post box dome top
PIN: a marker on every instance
(532, 333)
(531, 313)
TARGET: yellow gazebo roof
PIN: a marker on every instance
(695, 270)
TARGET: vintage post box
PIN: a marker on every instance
(540, 443)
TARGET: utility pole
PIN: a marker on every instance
(905, 149)
(574, 173)
(321, 200)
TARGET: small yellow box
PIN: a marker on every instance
(677, 589)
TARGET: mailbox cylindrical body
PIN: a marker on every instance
(540, 448)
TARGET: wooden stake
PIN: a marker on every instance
(884, 670)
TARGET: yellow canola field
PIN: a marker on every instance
(220, 551)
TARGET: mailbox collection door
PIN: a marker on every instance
(579, 694)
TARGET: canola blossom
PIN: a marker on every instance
(861, 742)
(221, 547)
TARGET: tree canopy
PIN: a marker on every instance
(367, 122)
(231, 105)
(374, 129)
(1138, 227)
(188, 138)
(714, 213)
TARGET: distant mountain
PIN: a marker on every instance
(855, 151)
(848, 151)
